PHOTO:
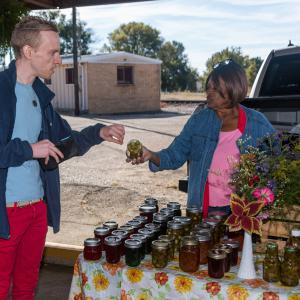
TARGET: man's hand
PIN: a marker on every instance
(113, 133)
(45, 149)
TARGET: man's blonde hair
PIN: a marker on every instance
(27, 32)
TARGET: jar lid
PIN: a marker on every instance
(139, 236)
(173, 205)
(226, 248)
(290, 249)
(111, 224)
(272, 245)
(167, 211)
(202, 225)
(295, 232)
(182, 219)
(152, 226)
(189, 241)
(194, 209)
(147, 232)
(217, 214)
(92, 242)
(151, 201)
(175, 225)
(103, 230)
(133, 244)
(211, 221)
(146, 208)
(128, 228)
(121, 233)
(205, 231)
(165, 237)
(134, 224)
(216, 254)
(203, 237)
(232, 243)
(160, 244)
(143, 219)
(112, 240)
(160, 218)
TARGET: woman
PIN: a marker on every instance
(213, 139)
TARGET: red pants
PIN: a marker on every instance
(20, 256)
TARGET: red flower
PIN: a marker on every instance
(78, 297)
(213, 288)
(270, 296)
(161, 278)
(253, 180)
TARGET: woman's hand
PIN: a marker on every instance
(146, 155)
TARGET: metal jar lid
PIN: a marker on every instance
(189, 241)
(220, 215)
(202, 237)
(202, 225)
(212, 222)
(165, 237)
(160, 218)
(92, 242)
(151, 201)
(205, 231)
(142, 219)
(135, 223)
(121, 233)
(167, 211)
(147, 232)
(226, 248)
(139, 236)
(103, 230)
(295, 232)
(232, 243)
(128, 228)
(112, 240)
(133, 244)
(217, 254)
(160, 244)
(272, 245)
(194, 209)
(175, 225)
(146, 208)
(173, 205)
(152, 226)
(111, 224)
(182, 219)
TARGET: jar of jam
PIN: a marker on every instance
(152, 201)
(155, 228)
(216, 263)
(150, 237)
(147, 211)
(143, 239)
(189, 254)
(142, 219)
(133, 252)
(136, 224)
(113, 245)
(289, 267)
(101, 233)
(167, 211)
(235, 250)
(171, 241)
(175, 230)
(215, 229)
(160, 253)
(195, 214)
(112, 225)
(162, 220)
(271, 264)
(187, 224)
(294, 240)
(175, 206)
(237, 236)
(124, 235)
(204, 246)
(127, 228)
(92, 249)
(228, 250)
(204, 231)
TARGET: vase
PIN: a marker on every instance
(247, 268)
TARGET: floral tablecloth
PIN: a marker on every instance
(100, 280)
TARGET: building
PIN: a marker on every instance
(117, 82)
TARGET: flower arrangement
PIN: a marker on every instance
(266, 180)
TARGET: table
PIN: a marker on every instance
(100, 280)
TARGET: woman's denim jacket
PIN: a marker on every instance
(197, 143)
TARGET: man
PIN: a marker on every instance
(30, 129)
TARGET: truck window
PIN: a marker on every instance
(282, 76)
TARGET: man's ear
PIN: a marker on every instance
(27, 51)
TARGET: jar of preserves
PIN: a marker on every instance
(195, 214)
(112, 245)
(175, 230)
(152, 201)
(215, 229)
(136, 224)
(155, 228)
(167, 211)
(150, 237)
(134, 149)
(101, 233)
(142, 219)
(175, 206)
(289, 267)
(112, 225)
(123, 235)
(271, 263)
(143, 239)
(228, 250)
(294, 240)
(187, 224)
(237, 236)
(204, 246)
(171, 241)
(235, 250)
(162, 220)
(204, 231)
(127, 228)
(133, 252)
(147, 211)
(160, 253)
(216, 263)
(189, 254)
(92, 249)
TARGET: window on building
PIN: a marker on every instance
(69, 75)
(125, 75)
(47, 81)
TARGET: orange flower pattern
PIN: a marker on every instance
(213, 288)
(161, 278)
(113, 268)
(270, 296)
(183, 284)
(237, 292)
(134, 275)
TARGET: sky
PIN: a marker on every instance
(204, 26)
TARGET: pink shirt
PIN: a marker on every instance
(225, 156)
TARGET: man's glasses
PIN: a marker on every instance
(223, 63)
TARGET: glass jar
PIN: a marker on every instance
(133, 252)
(175, 230)
(136, 224)
(112, 225)
(189, 254)
(123, 235)
(204, 231)
(162, 220)
(167, 211)
(127, 228)
(271, 263)
(171, 241)
(160, 253)
(112, 245)
(92, 249)
(134, 149)
(289, 267)
(294, 240)
(147, 211)
(101, 233)
(187, 224)
(175, 206)
(142, 219)
(204, 246)
(195, 214)
(152, 201)
(150, 237)
(228, 250)
(235, 250)
(237, 236)
(216, 263)
(143, 239)
(155, 228)
(221, 217)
